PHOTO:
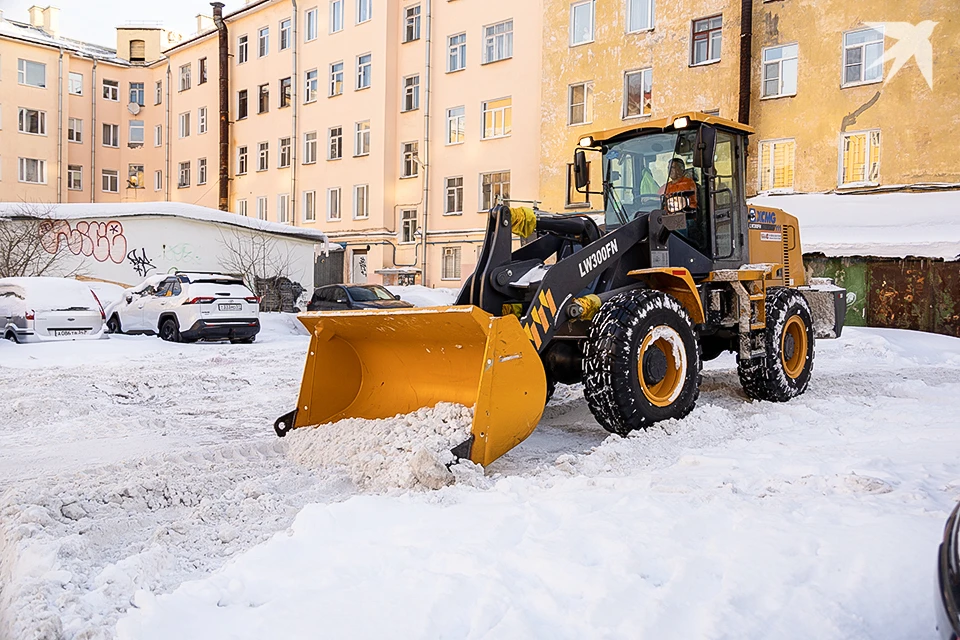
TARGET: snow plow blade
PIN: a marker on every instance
(378, 364)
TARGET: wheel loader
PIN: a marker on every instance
(678, 270)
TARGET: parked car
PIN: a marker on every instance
(42, 309)
(337, 297)
(186, 307)
(948, 579)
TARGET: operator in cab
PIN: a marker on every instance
(678, 181)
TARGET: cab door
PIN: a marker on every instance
(727, 201)
(156, 304)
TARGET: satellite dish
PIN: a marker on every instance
(133, 108)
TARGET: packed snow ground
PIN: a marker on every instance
(146, 496)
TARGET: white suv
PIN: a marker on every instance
(186, 307)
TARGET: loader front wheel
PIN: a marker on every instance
(641, 362)
(783, 372)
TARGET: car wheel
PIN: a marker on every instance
(113, 324)
(243, 340)
(169, 330)
(12, 337)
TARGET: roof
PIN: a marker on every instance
(663, 124)
(36, 35)
(75, 211)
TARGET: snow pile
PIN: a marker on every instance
(51, 294)
(107, 292)
(402, 452)
(421, 296)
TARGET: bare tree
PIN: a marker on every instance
(265, 264)
(30, 246)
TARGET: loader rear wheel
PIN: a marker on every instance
(641, 362)
(783, 372)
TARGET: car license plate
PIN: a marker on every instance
(230, 307)
(69, 332)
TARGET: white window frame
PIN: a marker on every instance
(863, 57)
(365, 190)
(74, 175)
(158, 135)
(111, 92)
(452, 252)
(456, 191)
(648, 8)
(284, 152)
(493, 197)
(361, 142)
(457, 52)
(183, 175)
(643, 73)
(201, 171)
(243, 160)
(311, 19)
(766, 166)
(873, 149)
(110, 178)
(493, 40)
(23, 115)
(710, 59)
(311, 85)
(158, 180)
(283, 208)
(158, 92)
(75, 83)
(339, 143)
(263, 42)
(409, 221)
(242, 207)
(285, 28)
(336, 80)
(184, 78)
(456, 125)
(262, 211)
(591, 4)
(310, 206)
(184, 125)
(243, 48)
(263, 156)
(502, 111)
(201, 120)
(360, 67)
(336, 16)
(136, 129)
(309, 147)
(587, 103)
(779, 64)
(411, 93)
(409, 167)
(112, 140)
(334, 198)
(22, 72)
(411, 23)
(41, 166)
(364, 8)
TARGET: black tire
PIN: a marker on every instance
(622, 331)
(783, 372)
(551, 388)
(169, 330)
(113, 324)
(249, 340)
(12, 337)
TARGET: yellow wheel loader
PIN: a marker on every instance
(679, 270)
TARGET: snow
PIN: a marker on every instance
(50, 294)
(421, 296)
(146, 496)
(891, 225)
(107, 292)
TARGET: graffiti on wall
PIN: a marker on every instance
(141, 263)
(181, 254)
(101, 241)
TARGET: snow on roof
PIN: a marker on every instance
(53, 293)
(24, 31)
(887, 225)
(75, 211)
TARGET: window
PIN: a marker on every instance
(284, 34)
(111, 90)
(283, 208)
(335, 149)
(706, 40)
(860, 158)
(263, 42)
(310, 32)
(453, 204)
(581, 23)
(780, 71)
(110, 181)
(862, 56)
(183, 180)
(136, 93)
(637, 93)
(336, 16)
(263, 156)
(336, 79)
(776, 164)
(111, 135)
(580, 103)
(33, 170)
(493, 188)
(138, 51)
(451, 263)
(262, 207)
(158, 135)
(135, 133)
(408, 225)
(309, 206)
(75, 83)
(409, 167)
(33, 74)
(203, 71)
(364, 71)
(362, 139)
(263, 99)
(364, 10)
(74, 177)
(639, 15)
(184, 77)
(241, 104)
(457, 52)
(241, 160)
(285, 92)
(456, 123)
(498, 41)
(310, 147)
(201, 120)
(158, 92)
(242, 208)
(411, 23)
(574, 197)
(185, 124)
(285, 152)
(411, 93)
(497, 118)
(333, 203)
(243, 49)
(202, 171)
(310, 86)
(361, 201)
(135, 176)
(158, 180)
(32, 121)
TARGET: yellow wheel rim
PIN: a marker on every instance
(663, 391)
(795, 336)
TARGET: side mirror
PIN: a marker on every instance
(580, 172)
(396, 297)
(129, 298)
(705, 147)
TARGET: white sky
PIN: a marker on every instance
(95, 20)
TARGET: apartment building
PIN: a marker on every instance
(841, 94)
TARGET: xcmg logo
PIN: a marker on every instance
(763, 217)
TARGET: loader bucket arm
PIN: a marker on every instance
(378, 364)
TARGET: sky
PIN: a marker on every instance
(95, 20)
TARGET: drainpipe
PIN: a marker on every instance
(166, 149)
(60, 128)
(426, 137)
(93, 133)
(746, 52)
(294, 140)
(223, 202)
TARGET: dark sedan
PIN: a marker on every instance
(948, 579)
(338, 297)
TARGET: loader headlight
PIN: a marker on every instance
(677, 203)
(586, 141)
(681, 123)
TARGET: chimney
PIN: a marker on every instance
(36, 16)
(204, 23)
(51, 21)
